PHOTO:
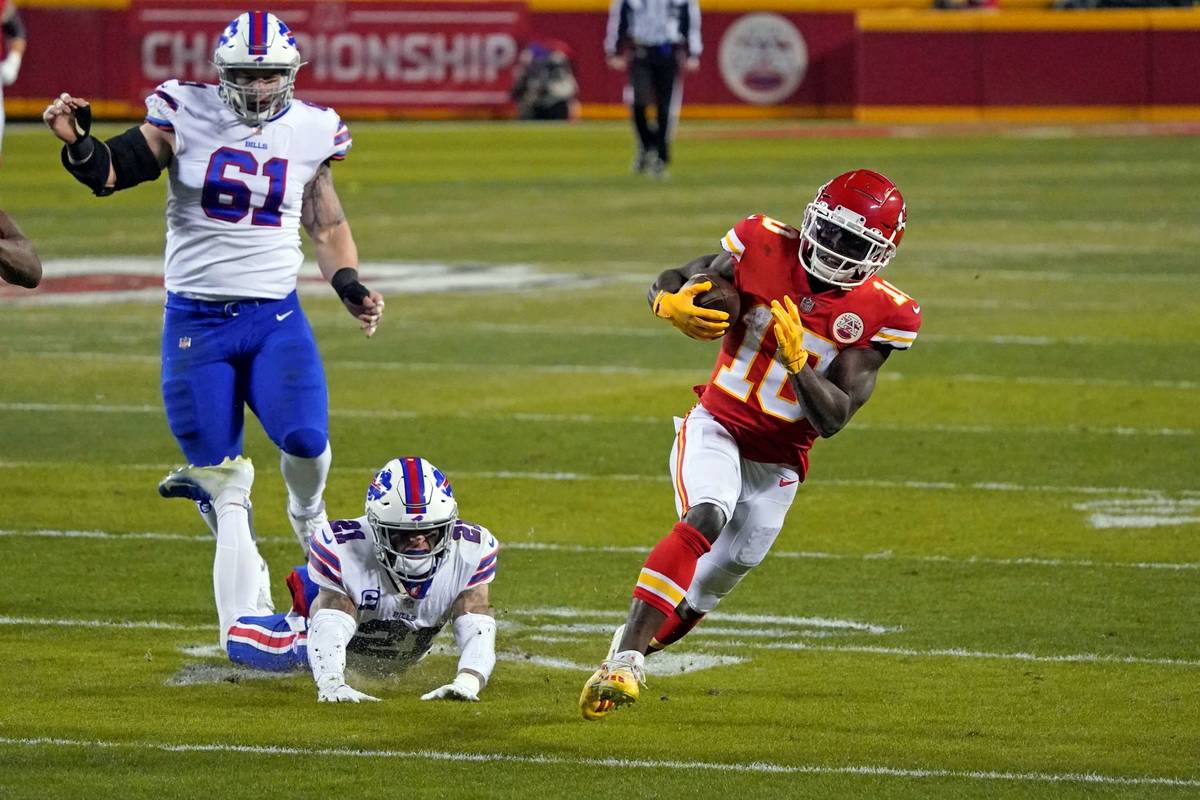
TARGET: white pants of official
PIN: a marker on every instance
(707, 467)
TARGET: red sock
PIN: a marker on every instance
(669, 568)
(672, 630)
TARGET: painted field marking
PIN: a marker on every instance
(956, 561)
(625, 369)
(983, 486)
(1141, 512)
(755, 767)
(96, 281)
(140, 624)
(957, 652)
(1063, 658)
(610, 419)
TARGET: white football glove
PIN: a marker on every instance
(337, 692)
(464, 687)
(9, 68)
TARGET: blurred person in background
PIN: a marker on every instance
(14, 47)
(19, 262)
(545, 87)
(651, 39)
(248, 167)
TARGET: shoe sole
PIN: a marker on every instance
(606, 697)
(182, 487)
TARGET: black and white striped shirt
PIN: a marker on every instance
(653, 22)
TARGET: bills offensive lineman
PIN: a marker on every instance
(247, 167)
(381, 585)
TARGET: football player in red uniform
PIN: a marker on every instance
(816, 325)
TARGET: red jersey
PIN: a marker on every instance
(749, 391)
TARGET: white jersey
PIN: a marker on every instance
(233, 206)
(398, 622)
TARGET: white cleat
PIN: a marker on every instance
(616, 641)
(204, 484)
(266, 605)
(306, 527)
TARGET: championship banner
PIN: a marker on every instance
(365, 58)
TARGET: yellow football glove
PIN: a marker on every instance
(789, 333)
(699, 323)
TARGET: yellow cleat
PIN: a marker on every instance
(617, 683)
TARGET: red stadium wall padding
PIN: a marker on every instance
(749, 59)
(456, 59)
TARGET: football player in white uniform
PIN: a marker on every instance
(380, 586)
(248, 166)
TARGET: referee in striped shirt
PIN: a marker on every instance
(651, 38)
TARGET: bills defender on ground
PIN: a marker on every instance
(816, 325)
(380, 586)
(247, 168)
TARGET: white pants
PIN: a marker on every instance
(706, 467)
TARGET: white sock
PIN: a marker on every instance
(236, 565)
(209, 516)
(634, 657)
(305, 479)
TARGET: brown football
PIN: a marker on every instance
(722, 296)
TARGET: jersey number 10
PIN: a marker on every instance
(228, 199)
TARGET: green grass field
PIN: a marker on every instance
(989, 587)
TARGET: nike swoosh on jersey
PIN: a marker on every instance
(916, 309)
(282, 317)
(785, 482)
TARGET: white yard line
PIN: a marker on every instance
(611, 419)
(740, 646)
(485, 368)
(754, 767)
(956, 561)
(957, 652)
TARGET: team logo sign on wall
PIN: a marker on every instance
(763, 58)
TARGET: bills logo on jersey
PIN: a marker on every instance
(848, 328)
(380, 485)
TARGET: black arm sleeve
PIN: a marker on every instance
(13, 27)
(131, 159)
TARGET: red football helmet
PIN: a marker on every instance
(851, 228)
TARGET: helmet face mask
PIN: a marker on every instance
(412, 513)
(852, 228)
(410, 554)
(257, 61)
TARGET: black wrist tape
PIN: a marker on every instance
(81, 149)
(345, 283)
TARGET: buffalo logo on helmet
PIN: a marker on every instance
(848, 328)
(380, 485)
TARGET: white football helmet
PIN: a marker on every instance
(257, 61)
(408, 498)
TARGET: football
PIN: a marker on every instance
(721, 297)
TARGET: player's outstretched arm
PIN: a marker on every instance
(475, 635)
(669, 301)
(19, 262)
(830, 400)
(135, 156)
(322, 216)
(332, 621)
